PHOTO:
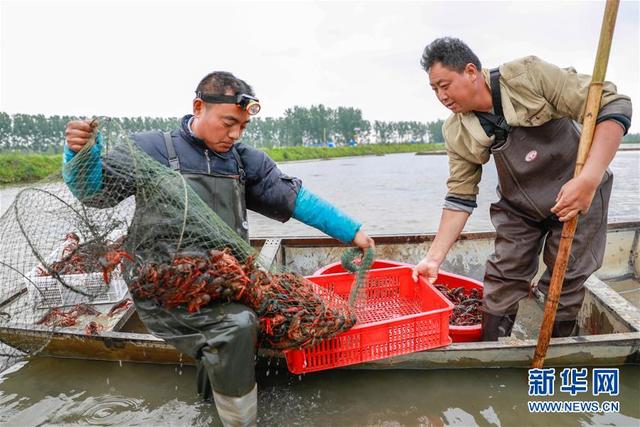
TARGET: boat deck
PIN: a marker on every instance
(628, 288)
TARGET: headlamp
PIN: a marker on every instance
(249, 103)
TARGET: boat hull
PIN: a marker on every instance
(609, 324)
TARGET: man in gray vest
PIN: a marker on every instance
(230, 177)
(526, 113)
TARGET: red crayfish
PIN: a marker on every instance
(87, 257)
(291, 314)
(466, 311)
(60, 318)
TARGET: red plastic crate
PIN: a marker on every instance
(395, 316)
(457, 333)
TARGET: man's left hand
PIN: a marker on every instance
(575, 197)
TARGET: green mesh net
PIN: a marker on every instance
(133, 227)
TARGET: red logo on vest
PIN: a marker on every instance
(531, 156)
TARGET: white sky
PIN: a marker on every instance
(145, 58)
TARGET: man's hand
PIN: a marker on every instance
(363, 241)
(575, 197)
(428, 268)
(78, 133)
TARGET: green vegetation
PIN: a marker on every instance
(16, 168)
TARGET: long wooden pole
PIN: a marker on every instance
(568, 230)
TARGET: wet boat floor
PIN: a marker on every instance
(528, 320)
(628, 288)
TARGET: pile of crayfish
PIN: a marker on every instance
(293, 312)
(87, 257)
(466, 310)
(61, 318)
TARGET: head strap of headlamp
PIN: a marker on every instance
(241, 99)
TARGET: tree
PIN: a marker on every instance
(348, 120)
(383, 131)
(435, 131)
(299, 126)
(5, 131)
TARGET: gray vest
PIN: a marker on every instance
(224, 194)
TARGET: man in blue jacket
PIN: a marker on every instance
(230, 177)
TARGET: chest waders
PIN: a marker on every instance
(533, 163)
(224, 194)
(220, 337)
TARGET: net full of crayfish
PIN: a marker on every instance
(293, 312)
(56, 253)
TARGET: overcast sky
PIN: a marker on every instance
(145, 58)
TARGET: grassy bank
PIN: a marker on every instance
(17, 168)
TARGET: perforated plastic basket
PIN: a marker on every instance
(395, 316)
(47, 292)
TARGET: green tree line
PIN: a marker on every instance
(300, 126)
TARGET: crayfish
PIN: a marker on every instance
(110, 261)
(466, 310)
(93, 328)
(121, 306)
(87, 257)
(60, 318)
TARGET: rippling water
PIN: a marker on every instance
(68, 392)
(403, 193)
(390, 194)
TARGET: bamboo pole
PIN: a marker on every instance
(568, 230)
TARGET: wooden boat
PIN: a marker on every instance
(609, 320)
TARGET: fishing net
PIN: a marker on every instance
(127, 225)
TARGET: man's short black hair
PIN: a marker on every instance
(451, 52)
(221, 82)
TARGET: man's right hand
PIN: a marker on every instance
(428, 268)
(451, 225)
(78, 133)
